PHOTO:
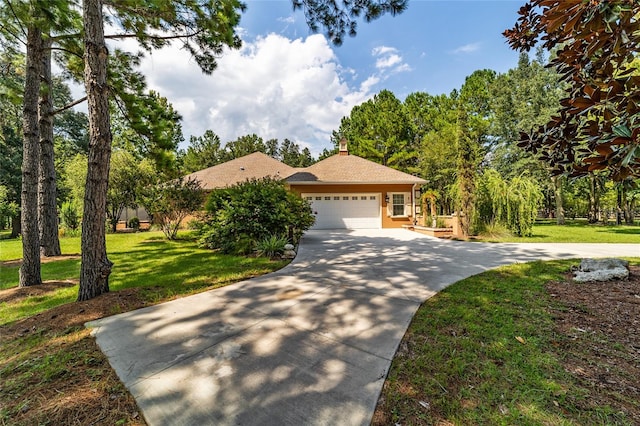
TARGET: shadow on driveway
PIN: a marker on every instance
(309, 344)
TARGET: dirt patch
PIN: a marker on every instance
(18, 262)
(599, 325)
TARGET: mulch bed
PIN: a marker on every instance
(599, 328)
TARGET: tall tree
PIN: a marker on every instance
(434, 126)
(380, 131)
(339, 18)
(244, 145)
(474, 121)
(30, 268)
(598, 125)
(524, 98)
(12, 70)
(203, 152)
(95, 267)
(47, 191)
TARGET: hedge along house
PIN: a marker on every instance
(350, 192)
(345, 191)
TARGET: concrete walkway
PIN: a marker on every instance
(310, 344)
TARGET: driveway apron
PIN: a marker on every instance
(310, 344)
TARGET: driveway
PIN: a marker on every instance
(310, 344)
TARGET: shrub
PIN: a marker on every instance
(170, 202)
(253, 210)
(70, 216)
(271, 246)
(134, 223)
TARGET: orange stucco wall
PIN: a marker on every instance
(387, 222)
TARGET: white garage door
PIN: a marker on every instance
(346, 211)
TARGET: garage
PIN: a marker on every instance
(346, 211)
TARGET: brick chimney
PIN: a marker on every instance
(343, 147)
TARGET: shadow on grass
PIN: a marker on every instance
(622, 230)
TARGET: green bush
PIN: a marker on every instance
(134, 223)
(271, 246)
(70, 216)
(253, 211)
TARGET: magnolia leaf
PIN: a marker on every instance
(521, 340)
(622, 130)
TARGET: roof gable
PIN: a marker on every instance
(350, 169)
(253, 166)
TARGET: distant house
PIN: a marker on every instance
(345, 191)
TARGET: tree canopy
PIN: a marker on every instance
(596, 43)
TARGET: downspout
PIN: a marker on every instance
(413, 203)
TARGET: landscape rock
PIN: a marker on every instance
(289, 247)
(289, 254)
(602, 270)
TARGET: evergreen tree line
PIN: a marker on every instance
(465, 142)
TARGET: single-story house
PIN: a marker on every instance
(345, 191)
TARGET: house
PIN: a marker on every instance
(345, 191)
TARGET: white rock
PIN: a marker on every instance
(588, 265)
(289, 247)
(601, 275)
(602, 270)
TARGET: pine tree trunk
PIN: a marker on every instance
(30, 269)
(15, 226)
(96, 267)
(557, 189)
(594, 200)
(47, 209)
(466, 170)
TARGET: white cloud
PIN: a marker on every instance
(467, 48)
(274, 87)
(287, 19)
(389, 60)
(383, 50)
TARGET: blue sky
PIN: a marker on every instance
(288, 82)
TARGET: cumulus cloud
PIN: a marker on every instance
(467, 48)
(388, 59)
(274, 87)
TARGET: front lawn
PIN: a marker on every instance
(506, 347)
(51, 371)
(574, 231)
(159, 268)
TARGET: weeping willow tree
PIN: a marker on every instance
(513, 204)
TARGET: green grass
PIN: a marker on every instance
(574, 231)
(461, 356)
(163, 269)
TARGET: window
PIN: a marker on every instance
(345, 198)
(372, 197)
(355, 198)
(318, 198)
(363, 197)
(336, 198)
(327, 198)
(399, 204)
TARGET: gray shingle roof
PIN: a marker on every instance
(350, 169)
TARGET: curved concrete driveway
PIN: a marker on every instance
(310, 344)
